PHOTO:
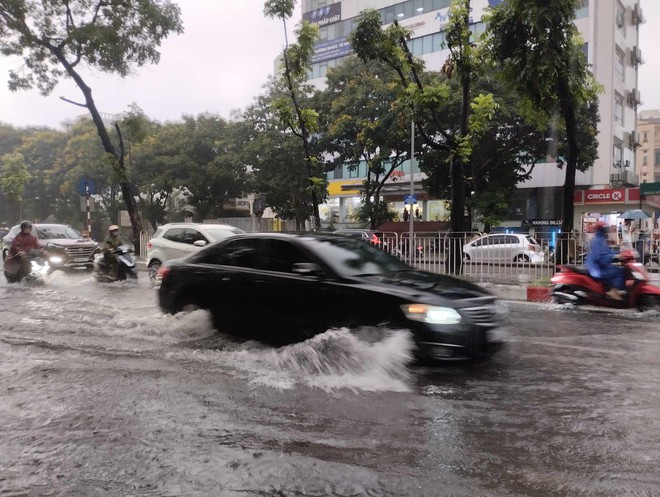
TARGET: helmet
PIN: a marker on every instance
(26, 224)
(599, 226)
(112, 228)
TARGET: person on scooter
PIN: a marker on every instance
(599, 262)
(23, 243)
(110, 245)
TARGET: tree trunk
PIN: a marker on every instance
(131, 204)
(568, 209)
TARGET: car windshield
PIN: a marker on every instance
(350, 257)
(218, 234)
(50, 232)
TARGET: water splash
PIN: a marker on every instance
(336, 359)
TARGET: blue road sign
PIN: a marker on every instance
(86, 187)
(410, 200)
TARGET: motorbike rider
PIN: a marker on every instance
(110, 245)
(23, 243)
(599, 262)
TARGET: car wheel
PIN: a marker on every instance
(521, 258)
(466, 257)
(153, 268)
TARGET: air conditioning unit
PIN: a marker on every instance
(630, 98)
(630, 178)
(636, 56)
(637, 96)
(616, 178)
(626, 164)
(616, 164)
(637, 15)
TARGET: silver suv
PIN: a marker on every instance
(504, 247)
(174, 240)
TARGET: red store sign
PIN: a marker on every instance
(606, 196)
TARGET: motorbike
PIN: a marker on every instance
(574, 285)
(125, 264)
(29, 266)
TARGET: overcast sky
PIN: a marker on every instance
(221, 63)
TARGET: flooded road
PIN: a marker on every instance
(101, 394)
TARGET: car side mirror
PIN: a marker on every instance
(307, 269)
(199, 243)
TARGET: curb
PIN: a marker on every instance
(538, 294)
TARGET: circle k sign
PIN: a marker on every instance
(604, 196)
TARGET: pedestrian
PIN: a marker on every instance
(417, 215)
(405, 215)
(626, 235)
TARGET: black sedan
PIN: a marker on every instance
(282, 288)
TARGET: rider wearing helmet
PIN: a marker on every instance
(599, 262)
(23, 243)
(110, 244)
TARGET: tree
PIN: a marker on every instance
(300, 121)
(41, 151)
(14, 177)
(277, 164)
(426, 97)
(55, 37)
(365, 125)
(538, 47)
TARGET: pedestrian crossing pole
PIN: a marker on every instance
(89, 214)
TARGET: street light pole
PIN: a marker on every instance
(411, 248)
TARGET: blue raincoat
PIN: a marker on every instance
(599, 263)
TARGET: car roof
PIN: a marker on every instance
(197, 225)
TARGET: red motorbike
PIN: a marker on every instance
(573, 285)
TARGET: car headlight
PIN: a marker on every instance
(55, 259)
(431, 314)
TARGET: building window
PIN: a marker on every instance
(646, 136)
(620, 18)
(657, 157)
(645, 160)
(617, 153)
(583, 10)
(618, 108)
(619, 66)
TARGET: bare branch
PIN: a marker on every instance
(74, 103)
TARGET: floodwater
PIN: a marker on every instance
(101, 394)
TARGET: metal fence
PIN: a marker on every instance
(518, 262)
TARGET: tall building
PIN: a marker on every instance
(610, 30)
(648, 152)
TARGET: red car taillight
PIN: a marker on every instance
(162, 272)
(532, 247)
(149, 245)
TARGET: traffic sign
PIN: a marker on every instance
(410, 200)
(86, 186)
(650, 188)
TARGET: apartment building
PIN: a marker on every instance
(610, 30)
(648, 151)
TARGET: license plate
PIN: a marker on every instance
(81, 259)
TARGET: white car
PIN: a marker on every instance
(504, 247)
(174, 240)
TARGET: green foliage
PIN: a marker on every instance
(538, 48)
(279, 9)
(14, 176)
(53, 37)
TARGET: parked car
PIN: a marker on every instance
(178, 239)
(282, 288)
(504, 247)
(374, 237)
(65, 248)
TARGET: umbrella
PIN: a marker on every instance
(635, 214)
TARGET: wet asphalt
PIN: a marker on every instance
(102, 395)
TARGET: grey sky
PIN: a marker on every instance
(221, 63)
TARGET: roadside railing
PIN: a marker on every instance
(521, 262)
